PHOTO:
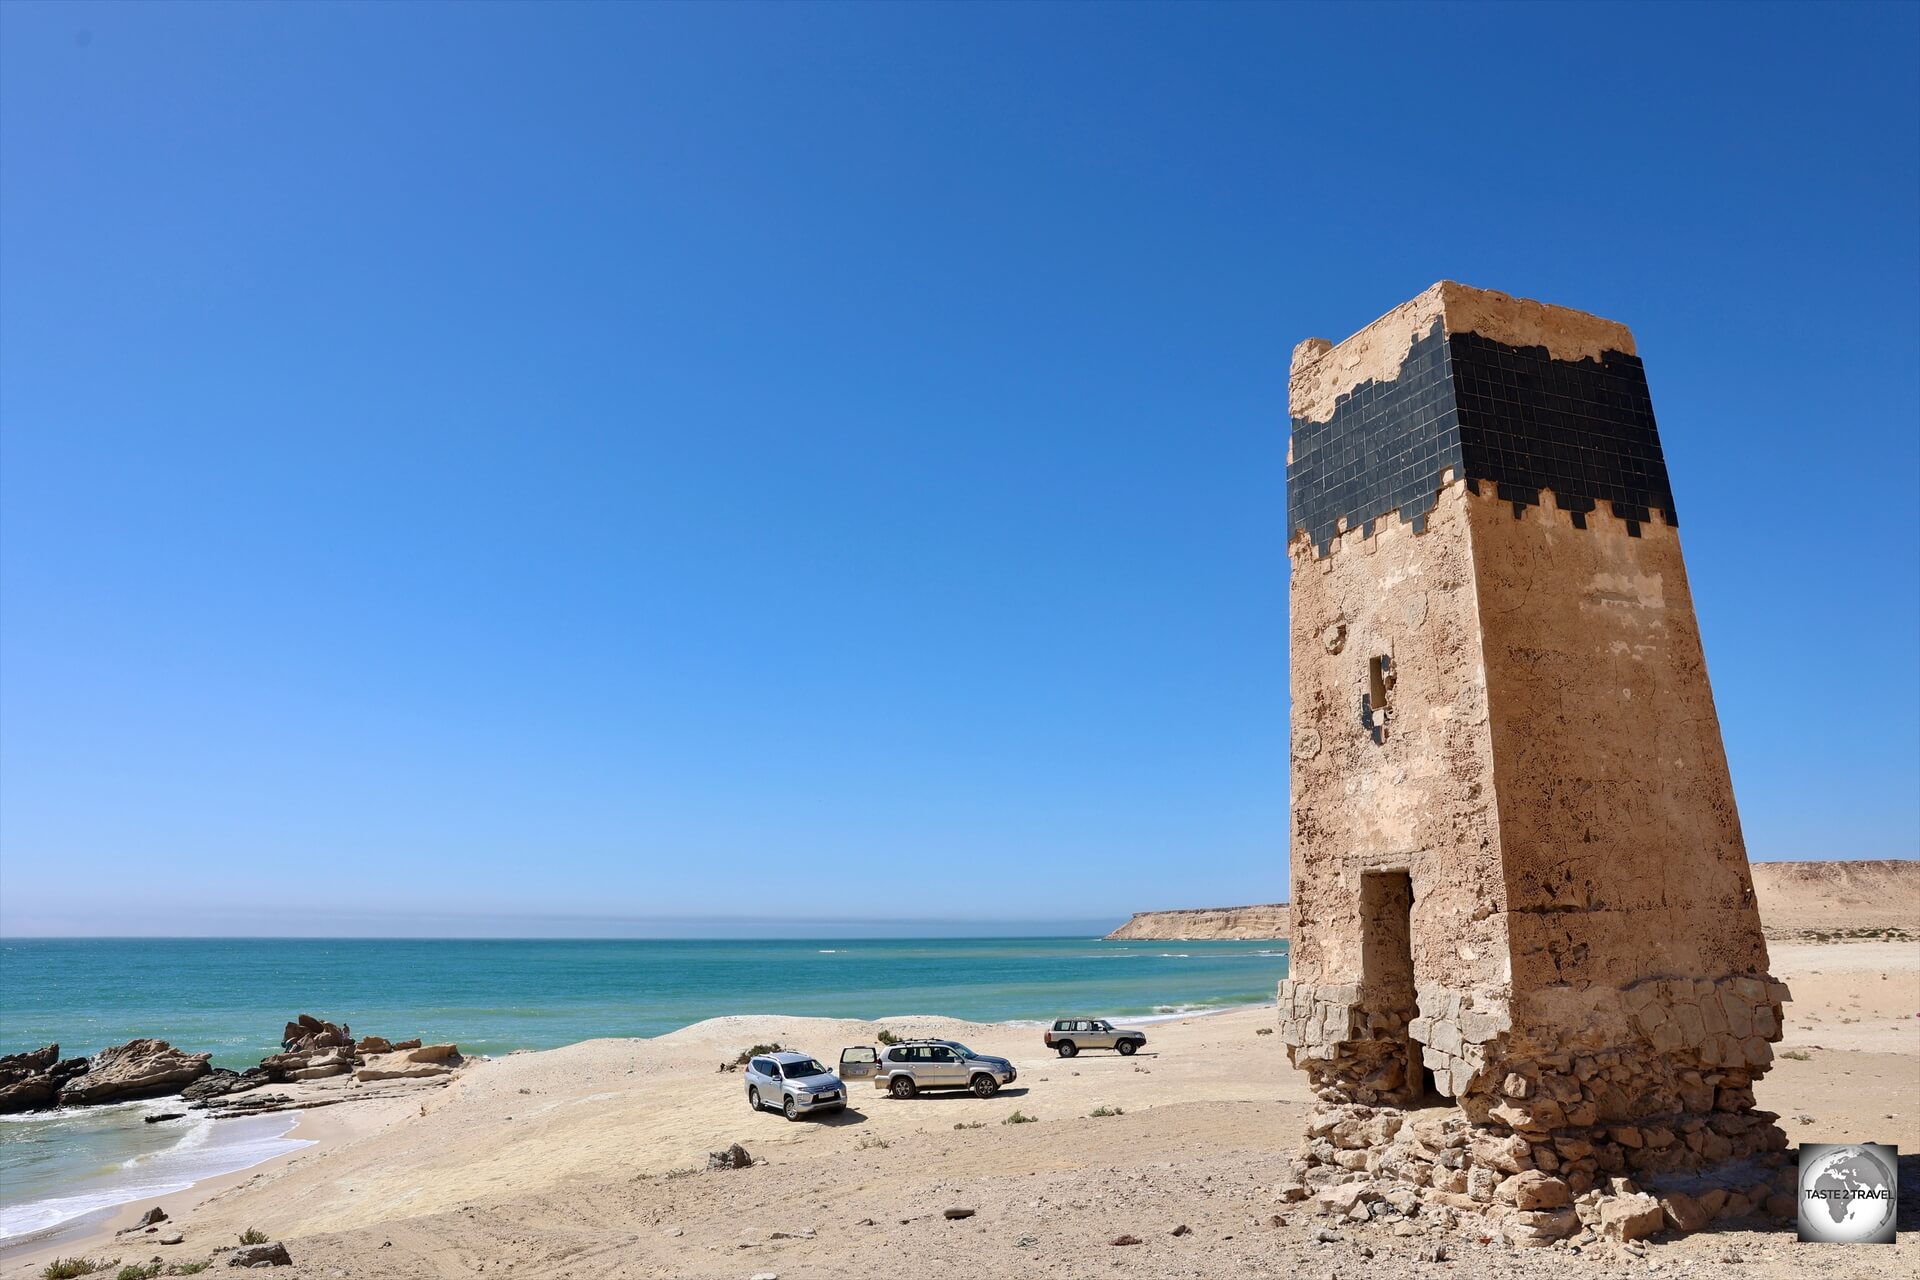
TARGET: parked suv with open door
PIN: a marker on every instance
(905, 1069)
(1068, 1036)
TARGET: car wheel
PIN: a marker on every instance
(792, 1108)
(984, 1086)
(1067, 1048)
(753, 1098)
(903, 1087)
(1127, 1047)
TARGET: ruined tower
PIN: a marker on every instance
(1525, 937)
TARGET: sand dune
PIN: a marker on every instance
(1799, 898)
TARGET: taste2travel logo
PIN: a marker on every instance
(1848, 1192)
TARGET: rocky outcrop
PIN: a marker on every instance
(31, 1081)
(222, 1081)
(136, 1069)
(312, 1049)
(1266, 922)
(307, 1034)
(411, 1064)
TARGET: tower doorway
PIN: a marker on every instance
(1386, 970)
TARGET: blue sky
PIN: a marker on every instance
(619, 462)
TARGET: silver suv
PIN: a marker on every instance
(912, 1065)
(793, 1082)
(1068, 1036)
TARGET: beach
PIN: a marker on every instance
(590, 1160)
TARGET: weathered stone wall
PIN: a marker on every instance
(1623, 853)
(1405, 787)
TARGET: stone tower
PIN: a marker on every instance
(1521, 896)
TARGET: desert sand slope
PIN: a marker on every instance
(1267, 921)
(1838, 898)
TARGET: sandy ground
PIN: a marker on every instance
(588, 1161)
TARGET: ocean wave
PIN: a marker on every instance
(207, 1150)
(98, 1109)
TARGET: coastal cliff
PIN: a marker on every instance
(1266, 921)
(1855, 898)
(1859, 898)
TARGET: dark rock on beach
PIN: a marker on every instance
(260, 1255)
(222, 1081)
(734, 1157)
(31, 1081)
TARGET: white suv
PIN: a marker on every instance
(793, 1082)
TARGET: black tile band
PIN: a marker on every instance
(1511, 416)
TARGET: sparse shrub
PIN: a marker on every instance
(1099, 1112)
(1020, 1117)
(871, 1143)
(134, 1271)
(189, 1268)
(887, 1037)
(972, 1124)
(253, 1235)
(1263, 1031)
(674, 1175)
(755, 1052)
(68, 1268)
(1798, 1055)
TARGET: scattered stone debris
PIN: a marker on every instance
(955, 1214)
(153, 1215)
(1126, 1240)
(272, 1254)
(734, 1157)
(1182, 1230)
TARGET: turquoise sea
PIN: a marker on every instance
(231, 997)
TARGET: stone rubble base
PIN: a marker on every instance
(1362, 1161)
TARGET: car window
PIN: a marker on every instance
(1083, 1026)
(1103, 1026)
(944, 1054)
(762, 1066)
(860, 1053)
(801, 1070)
(1065, 1024)
(896, 1055)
